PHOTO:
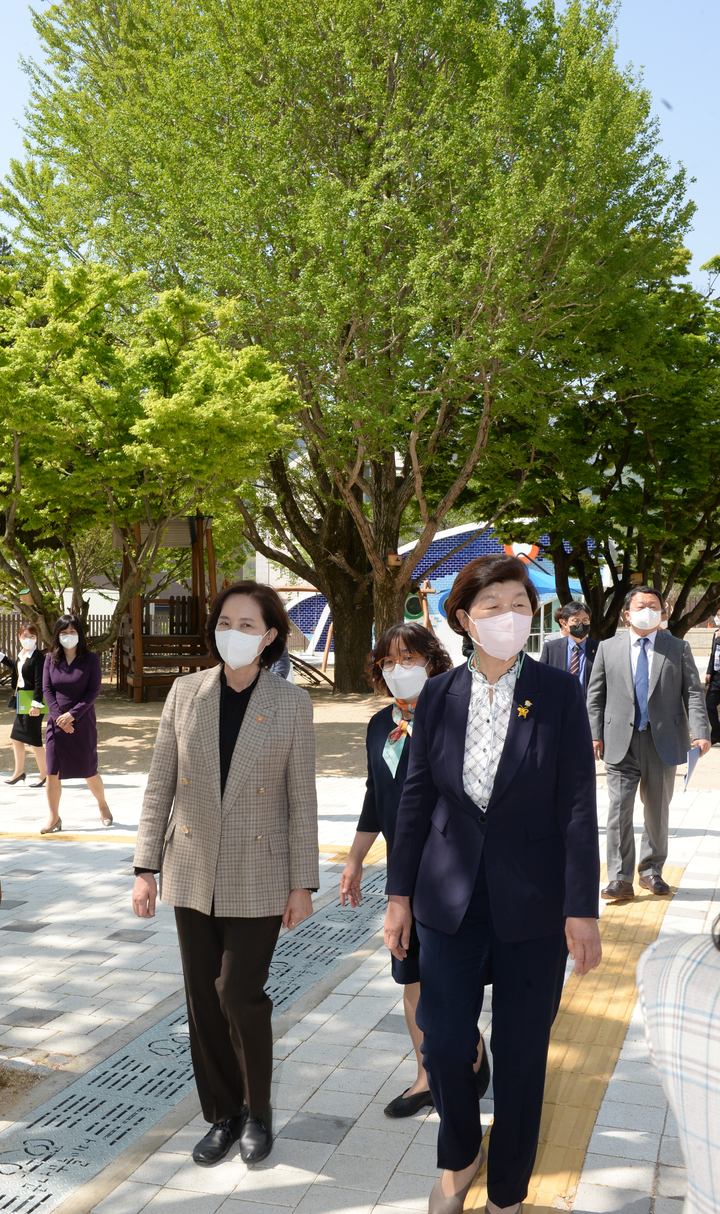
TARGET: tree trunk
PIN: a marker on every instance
(352, 633)
(389, 594)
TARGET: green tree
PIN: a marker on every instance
(117, 410)
(627, 478)
(407, 204)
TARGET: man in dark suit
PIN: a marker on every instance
(712, 685)
(573, 650)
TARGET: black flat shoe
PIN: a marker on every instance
(40, 783)
(256, 1140)
(17, 779)
(407, 1106)
(482, 1074)
(218, 1140)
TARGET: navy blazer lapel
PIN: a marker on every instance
(521, 728)
(456, 719)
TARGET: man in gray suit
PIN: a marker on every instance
(645, 703)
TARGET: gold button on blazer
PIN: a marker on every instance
(244, 851)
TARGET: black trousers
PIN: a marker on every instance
(712, 699)
(225, 966)
(527, 980)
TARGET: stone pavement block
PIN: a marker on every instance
(671, 1182)
(630, 1092)
(373, 1118)
(70, 1043)
(278, 1186)
(384, 1061)
(671, 1126)
(292, 1095)
(292, 1070)
(158, 1169)
(316, 1051)
(667, 1205)
(374, 1144)
(317, 1127)
(598, 1199)
(401, 1079)
(184, 1140)
(387, 1042)
(29, 1017)
(671, 1152)
(619, 1115)
(428, 1130)
(128, 1198)
(352, 1172)
(339, 1104)
(106, 1029)
(175, 1201)
(335, 1034)
(237, 1205)
(366, 1010)
(307, 1156)
(406, 1189)
(619, 1174)
(624, 1144)
(342, 1079)
(27, 1037)
(420, 1159)
(331, 1004)
(222, 1179)
(636, 1072)
(324, 1199)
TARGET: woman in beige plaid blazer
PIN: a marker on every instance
(230, 822)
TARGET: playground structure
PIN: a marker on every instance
(449, 552)
(148, 660)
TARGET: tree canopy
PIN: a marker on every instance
(117, 409)
(419, 213)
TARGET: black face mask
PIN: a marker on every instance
(579, 631)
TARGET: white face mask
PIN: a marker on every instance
(28, 643)
(237, 648)
(503, 636)
(647, 618)
(69, 640)
(405, 684)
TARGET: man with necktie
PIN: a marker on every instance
(573, 651)
(645, 704)
(712, 685)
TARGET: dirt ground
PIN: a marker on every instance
(126, 732)
(13, 1086)
(126, 736)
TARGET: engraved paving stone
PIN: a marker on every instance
(74, 1135)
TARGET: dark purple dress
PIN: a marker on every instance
(74, 689)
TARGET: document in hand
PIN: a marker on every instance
(692, 757)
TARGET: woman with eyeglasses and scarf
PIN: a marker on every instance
(403, 660)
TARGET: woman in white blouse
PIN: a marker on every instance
(496, 845)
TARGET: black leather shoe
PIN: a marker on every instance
(654, 883)
(256, 1139)
(482, 1075)
(408, 1106)
(218, 1140)
(618, 891)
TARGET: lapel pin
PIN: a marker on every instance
(259, 718)
(528, 703)
(522, 711)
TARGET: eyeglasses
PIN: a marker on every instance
(387, 665)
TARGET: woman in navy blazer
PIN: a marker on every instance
(496, 846)
(404, 657)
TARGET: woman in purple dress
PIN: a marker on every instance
(71, 685)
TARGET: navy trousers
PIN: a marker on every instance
(527, 980)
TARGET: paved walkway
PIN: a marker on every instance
(77, 985)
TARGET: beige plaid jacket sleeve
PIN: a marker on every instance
(244, 852)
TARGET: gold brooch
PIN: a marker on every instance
(522, 712)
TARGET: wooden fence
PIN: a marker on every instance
(10, 624)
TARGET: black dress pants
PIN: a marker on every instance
(225, 966)
(527, 978)
(712, 699)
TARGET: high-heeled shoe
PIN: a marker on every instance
(106, 821)
(51, 830)
(440, 1204)
(40, 783)
(16, 779)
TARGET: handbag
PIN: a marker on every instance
(25, 699)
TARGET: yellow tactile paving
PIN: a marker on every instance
(586, 1040)
(378, 851)
(65, 836)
